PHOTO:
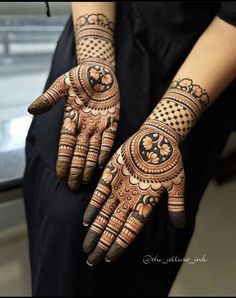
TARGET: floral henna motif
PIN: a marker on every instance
(198, 92)
(99, 78)
(148, 164)
(95, 19)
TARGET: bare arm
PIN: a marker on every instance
(212, 61)
(81, 8)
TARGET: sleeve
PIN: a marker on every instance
(227, 12)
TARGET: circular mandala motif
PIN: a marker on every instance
(95, 81)
(100, 78)
(150, 156)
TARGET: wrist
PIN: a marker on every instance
(94, 38)
(161, 128)
(180, 108)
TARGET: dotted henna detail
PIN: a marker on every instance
(94, 38)
(181, 106)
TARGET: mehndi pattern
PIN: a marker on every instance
(148, 164)
(92, 102)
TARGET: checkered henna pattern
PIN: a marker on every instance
(93, 36)
(92, 102)
(181, 106)
(148, 164)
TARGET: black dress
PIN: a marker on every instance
(152, 41)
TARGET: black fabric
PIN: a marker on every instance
(227, 12)
(152, 41)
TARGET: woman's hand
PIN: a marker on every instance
(145, 166)
(91, 114)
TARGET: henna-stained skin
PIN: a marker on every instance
(92, 102)
(146, 165)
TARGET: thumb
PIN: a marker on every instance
(176, 201)
(49, 98)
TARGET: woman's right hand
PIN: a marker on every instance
(91, 115)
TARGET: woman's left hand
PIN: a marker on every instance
(145, 166)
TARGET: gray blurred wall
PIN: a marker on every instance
(57, 8)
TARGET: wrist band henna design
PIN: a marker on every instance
(145, 166)
(181, 106)
(94, 38)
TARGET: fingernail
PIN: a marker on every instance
(89, 263)
(107, 260)
(85, 223)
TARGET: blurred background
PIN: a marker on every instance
(27, 41)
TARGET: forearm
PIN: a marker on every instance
(94, 30)
(206, 72)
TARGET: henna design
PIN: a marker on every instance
(94, 38)
(92, 102)
(146, 165)
(140, 171)
(95, 19)
(198, 92)
(91, 114)
(99, 78)
(181, 106)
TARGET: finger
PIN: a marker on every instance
(67, 141)
(92, 158)
(108, 139)
(100, 194)
(113, 228)
(100, 223)
(132, 227)
(78, 161)
(65, 153)
(49, 98)
(176, 202)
